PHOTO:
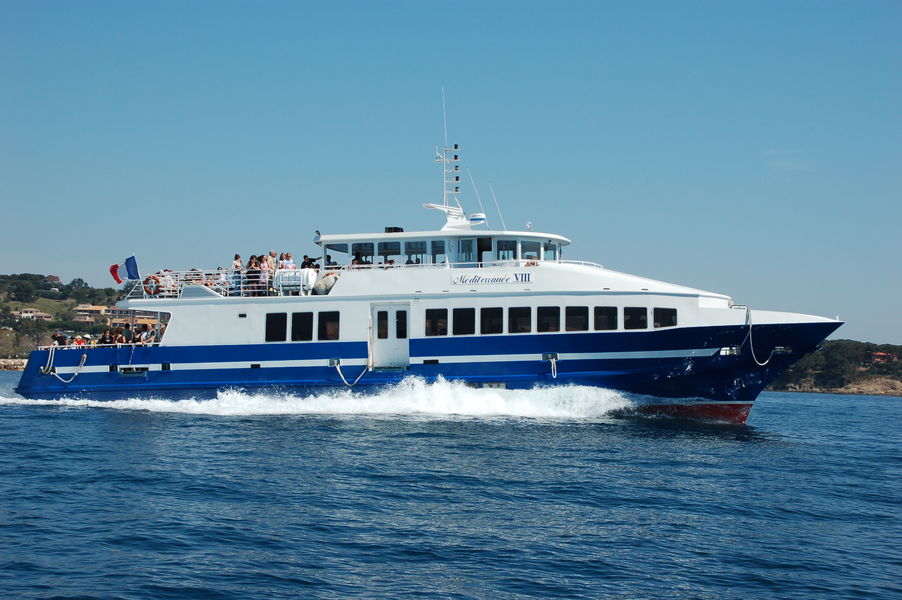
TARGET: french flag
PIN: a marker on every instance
(131, 269)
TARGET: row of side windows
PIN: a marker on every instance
(302, 326)
(547, 318)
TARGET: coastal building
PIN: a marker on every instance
(89, 313)
(33, 313)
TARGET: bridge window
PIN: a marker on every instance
(548, 318)
(519, 319)
(301, 327)
(328, 325)
(490, 320)
(635, 317)
(276, 327)
(464, 322)
(577, 318)
(551, 251)
(436, 321)
(605, 318)
(665, 317)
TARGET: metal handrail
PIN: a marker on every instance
(285, 282)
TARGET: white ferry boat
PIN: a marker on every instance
(492, 308)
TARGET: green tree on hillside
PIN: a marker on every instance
(23, 291)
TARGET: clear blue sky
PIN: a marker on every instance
(750, 148)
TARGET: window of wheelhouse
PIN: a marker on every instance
(464, 321)
(576, 318)
(530, 250)
(635, 317)
(328, 325)
(491, 320)
(438, 252)
(436, 321)
(665, 317)
(548, 318)
(415, 253)
(552, 251)
(519, 319)
(276, 327)
(363, 251)
(506, 249)
(605, 318)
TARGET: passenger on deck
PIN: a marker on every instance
(330, 262)
(148, 336)
(236, 269)
(105, 339)
(127, 333)
(253, 276)
(289, 262)
(265, 271)
(118, 338)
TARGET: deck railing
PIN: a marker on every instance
(294, 282)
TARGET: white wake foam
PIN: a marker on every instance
(411, 397)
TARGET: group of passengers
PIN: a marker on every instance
(119, 336)
(257, 276)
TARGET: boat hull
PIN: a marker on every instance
(680, 372)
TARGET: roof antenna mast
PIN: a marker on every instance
(450, 159)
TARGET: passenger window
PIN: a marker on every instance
(530, 250)
(577, 318)
(467, 251)
(401, 325)
(390, 251)
(301, 327)
(438, 252)
(665, 317)
(328, 325)
(276, 327)
(605, 318)
(548, 318)
(464, 321)
(436, 321)
(635, 317)
(414, 253)
(519, 319)
(507, 249)
(490, 320)
(382, 324)
(363, 251)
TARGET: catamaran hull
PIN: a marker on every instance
(701, 372)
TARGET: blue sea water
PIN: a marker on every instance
(447, 492)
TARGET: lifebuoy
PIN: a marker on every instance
(532, 264)
(152, 285)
